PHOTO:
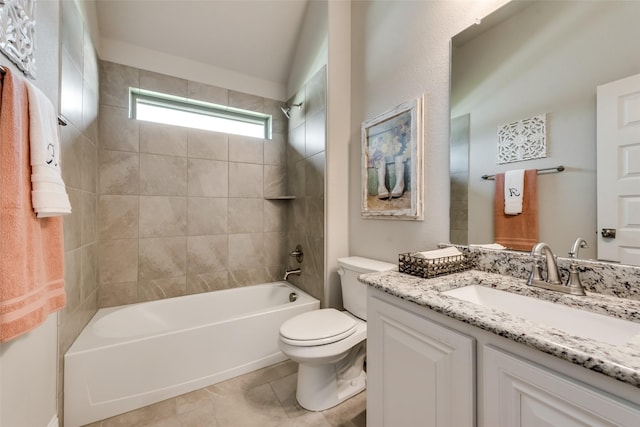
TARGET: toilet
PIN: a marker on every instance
(330, 345)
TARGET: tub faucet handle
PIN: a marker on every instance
(297, 253)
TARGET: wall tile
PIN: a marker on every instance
(276, 252)
(206, 216)
(89, 124)
(71, 142)
(275, 215)
(208, 178)
(166, 287)
(89, 270)
(71, 90)
(246, 101)
(114, 294)
(205, 144)
(119, 172)
(275, 181)
(89, 166)
(245, 251)
(118, 217)
(90, 67)
(207, 93)
(245, 180)
(247, 276)
(297, 142)
(315, 134)
(72, 32)
(89, 218)
(162, 83)
(162, 257)
(316, 93)
(72, 224)
(206, 254)
(314, 171)
(244, 149)
(156, 138)
(245, 215)
(162, 216)
(275, 150)
(163, 175)
(279, 121)
(115, 81)
(116, 130)
(73, 278)
(118, 261)
(207, 282)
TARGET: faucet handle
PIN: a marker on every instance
(536, 275)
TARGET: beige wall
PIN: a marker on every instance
(400, 50)
(184, 211)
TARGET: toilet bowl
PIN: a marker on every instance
(330, 345)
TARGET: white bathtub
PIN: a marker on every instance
(131, 356)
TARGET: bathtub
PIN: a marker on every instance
(131, 356)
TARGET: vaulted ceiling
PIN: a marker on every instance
(252, 37)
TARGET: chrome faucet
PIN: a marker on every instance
(553, 275)
(579, 243)
(553, 281)
(574, 282)
(288, 272)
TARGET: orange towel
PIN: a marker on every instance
(519, 232)
(31, 249)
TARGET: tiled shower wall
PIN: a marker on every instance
(306, 176)
(79, 145)
(183, 211)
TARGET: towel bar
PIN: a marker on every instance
(556, 169)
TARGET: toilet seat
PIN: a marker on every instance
(317, 327)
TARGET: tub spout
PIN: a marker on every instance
(289, 272)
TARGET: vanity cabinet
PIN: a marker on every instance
(420, 373)
(427, 369)
(519, 393)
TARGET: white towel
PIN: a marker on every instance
(437, 254)
(48, 193)
(513, 191)
(493, 246)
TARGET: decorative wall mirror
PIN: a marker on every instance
(530, 58)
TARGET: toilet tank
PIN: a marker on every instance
(354, 293)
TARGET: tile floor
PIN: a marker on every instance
(263, 398)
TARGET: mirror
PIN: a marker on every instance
(526, 59)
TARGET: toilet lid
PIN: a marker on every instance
(317, 327)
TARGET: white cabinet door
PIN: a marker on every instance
(518, 393)
(419, 372)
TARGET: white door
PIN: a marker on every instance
(618, 165)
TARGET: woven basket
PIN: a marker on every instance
(426, 268)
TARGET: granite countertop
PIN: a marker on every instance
(621, 362)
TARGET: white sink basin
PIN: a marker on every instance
(577, 322)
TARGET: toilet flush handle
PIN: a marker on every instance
(341, 271)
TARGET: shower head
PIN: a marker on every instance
(286, 109)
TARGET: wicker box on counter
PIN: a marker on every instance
(428, 268)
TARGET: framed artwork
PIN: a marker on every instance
(392, 145)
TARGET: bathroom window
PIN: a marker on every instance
(162, 108)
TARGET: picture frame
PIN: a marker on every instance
(392, 145)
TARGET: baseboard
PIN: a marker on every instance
(54, 421)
